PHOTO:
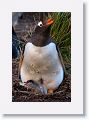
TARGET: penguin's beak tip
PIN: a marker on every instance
(50, 21)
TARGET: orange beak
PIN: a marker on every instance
(49, 21)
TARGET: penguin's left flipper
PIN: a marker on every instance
(61, 59)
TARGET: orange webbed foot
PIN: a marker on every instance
(50, 91)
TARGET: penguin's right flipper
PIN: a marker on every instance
(20, 64)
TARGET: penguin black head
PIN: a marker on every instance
(41, 35)
(44, 27)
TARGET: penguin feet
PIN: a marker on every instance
(51, 86)
(43, 88)
(50, 91)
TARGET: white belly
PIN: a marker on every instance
(41, 62)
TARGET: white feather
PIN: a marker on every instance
(42, 62)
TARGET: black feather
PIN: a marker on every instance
(15, 45)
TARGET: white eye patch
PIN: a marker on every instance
(40, 24)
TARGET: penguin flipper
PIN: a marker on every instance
(61, 59)
(20, 63)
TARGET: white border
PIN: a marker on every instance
(76, 104)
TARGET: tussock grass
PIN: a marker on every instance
(61, 33)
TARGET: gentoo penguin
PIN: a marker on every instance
(15, 45)
(41, 61)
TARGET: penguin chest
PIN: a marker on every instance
(40, 62)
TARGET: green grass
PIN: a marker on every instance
(61, 33)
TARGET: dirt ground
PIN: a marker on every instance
(22, 94)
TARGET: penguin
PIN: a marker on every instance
(15, 17)
(42, 61)
(15, 45)
(15, 41)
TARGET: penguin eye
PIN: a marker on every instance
(40, 24)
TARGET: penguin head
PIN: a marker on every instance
(44, 26)
(41, 34)
(46, 23)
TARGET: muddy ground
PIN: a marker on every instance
(20, 93)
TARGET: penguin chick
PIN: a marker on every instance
(36, 87)
(42, 60)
